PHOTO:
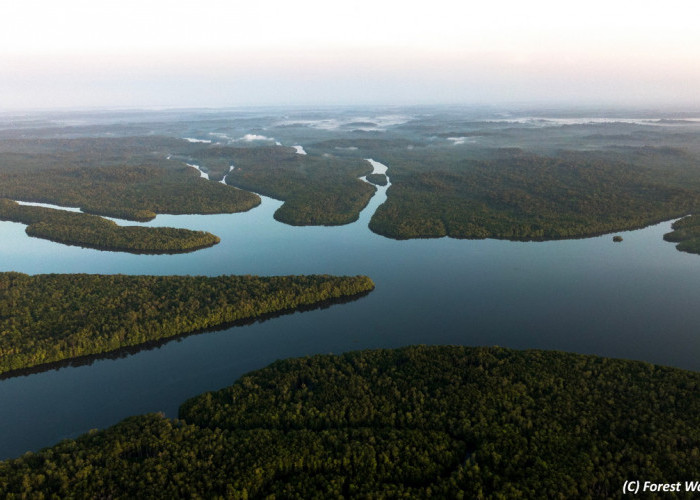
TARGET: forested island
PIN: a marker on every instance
(418, 422)
(54, 317)
(92, 231)
(378, 179)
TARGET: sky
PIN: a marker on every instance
(157, 53)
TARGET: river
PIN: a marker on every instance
(636, 300)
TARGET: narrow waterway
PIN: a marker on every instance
(202, 174)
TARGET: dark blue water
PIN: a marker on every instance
(636, 300)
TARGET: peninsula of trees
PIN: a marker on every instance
(517, 195)
(134, 187)
(127, 178)
(416, 422)
(54, 317)
(686, 232)
(91, 231)
(317, 190)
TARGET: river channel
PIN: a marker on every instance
(636, 300)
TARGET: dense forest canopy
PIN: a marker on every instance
(322, 189)
(127, 177)
(378, 179)
(317, 190)
(136, 178)
(53, 317)
(519, 195)
(437, 189)
(126, 192)
(445, 422)
(527, 194)
(416, 422)
(686, 232)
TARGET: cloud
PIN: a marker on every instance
(255, 137)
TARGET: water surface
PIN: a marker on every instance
(636, 300)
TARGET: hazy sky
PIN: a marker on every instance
(75, 53)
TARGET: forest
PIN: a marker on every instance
(378, 179)
(414, 422)
(436, 191)
(541, 192)
(135, 178)
(317, 190)
(119, 177)
(91, 231)
(525, 196)
(53, 317)
(127, 178)
(686, 232)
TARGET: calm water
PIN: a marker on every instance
(636, 299)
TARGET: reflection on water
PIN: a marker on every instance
(636, 299)
(125, 351)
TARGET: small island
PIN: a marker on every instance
(415, 422)
(378, 179)
(47, 318)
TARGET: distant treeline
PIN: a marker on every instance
(416, 422)
(529, 197)
(437, 190)
(509, 193)
(316, 189)
(128, 178)
(91, 231)
(127, 192)
(53, 317)
(440, 191)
